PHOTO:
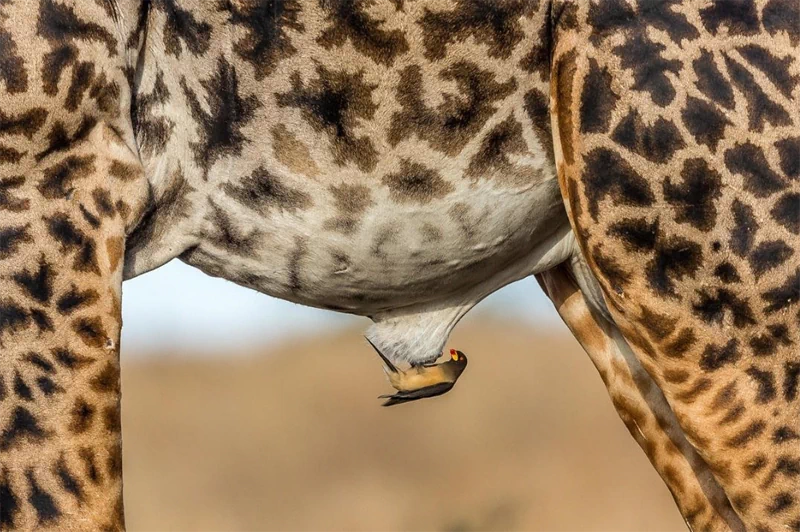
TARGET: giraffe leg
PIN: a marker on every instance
(639, 402)
(62, 231)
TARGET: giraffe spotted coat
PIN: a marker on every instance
(679, 160)
(403, 159)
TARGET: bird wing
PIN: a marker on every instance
(386, 361)
(421, 393)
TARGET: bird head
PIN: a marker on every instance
(458, 357)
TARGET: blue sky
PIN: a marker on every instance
(179, 308)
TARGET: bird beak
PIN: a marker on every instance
(453, 354)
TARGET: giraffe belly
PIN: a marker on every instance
(399, 256)
(411, 257)
(415, 272)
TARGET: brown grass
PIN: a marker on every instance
(296, 440)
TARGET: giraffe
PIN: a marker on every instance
(678, 155)
(254, 140)
(388, 158)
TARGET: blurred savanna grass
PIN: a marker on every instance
(293, 438)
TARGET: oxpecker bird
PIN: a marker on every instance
(418, 382)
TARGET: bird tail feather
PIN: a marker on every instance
(386, 361)
(395, 399)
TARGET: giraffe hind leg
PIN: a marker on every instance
(639, 402)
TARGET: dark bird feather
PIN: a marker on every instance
(422, 393)
(386, 361)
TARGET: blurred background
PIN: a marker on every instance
(244, 412)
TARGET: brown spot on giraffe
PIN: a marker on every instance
(292, 152)
(115, 246)
(351, 202)
(415, 182)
